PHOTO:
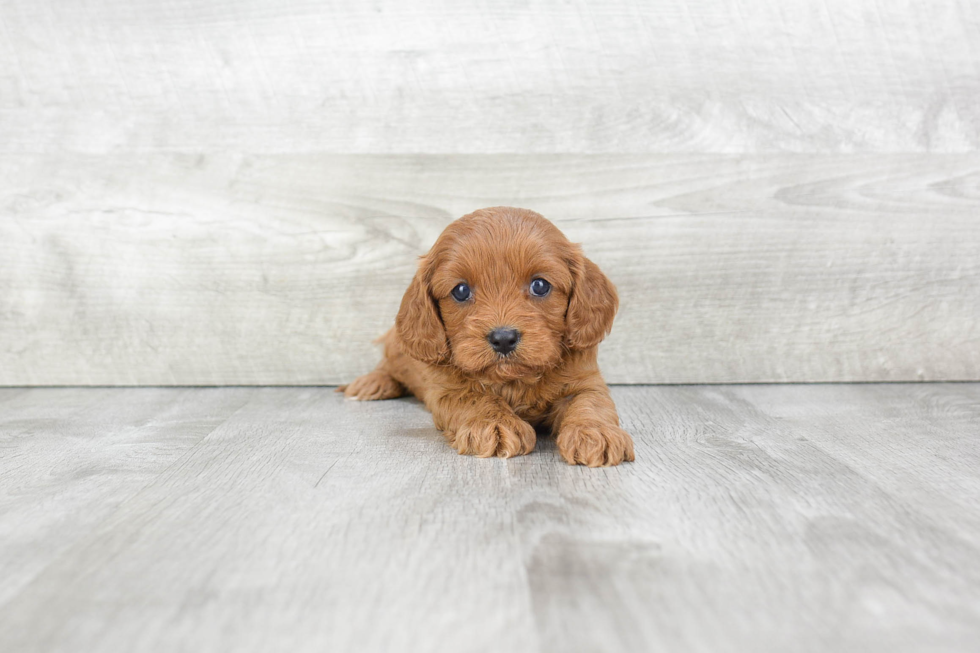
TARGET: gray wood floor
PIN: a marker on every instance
(756, 518)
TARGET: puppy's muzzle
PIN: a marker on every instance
(504, 340)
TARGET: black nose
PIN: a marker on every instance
(504, 340)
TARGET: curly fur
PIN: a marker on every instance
(487, 404)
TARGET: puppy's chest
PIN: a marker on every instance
(529, 402)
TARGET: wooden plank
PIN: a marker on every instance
(507, 76)
(251, 269)
(297, 509)
(70, 457)
(309, 523)
(737, 533)
(931, 467)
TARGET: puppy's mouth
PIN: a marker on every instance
(508, 367)
(480, 362)
(506, 361)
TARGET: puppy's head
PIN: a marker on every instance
(503, 295)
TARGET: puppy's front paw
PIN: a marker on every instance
(373, 386)
(505, 437)
(595, 445)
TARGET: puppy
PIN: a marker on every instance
(497, 334)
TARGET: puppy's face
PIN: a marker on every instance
(503, 301)
(503, 295)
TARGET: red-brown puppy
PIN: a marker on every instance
(498, 333)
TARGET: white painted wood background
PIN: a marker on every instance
(234, 193)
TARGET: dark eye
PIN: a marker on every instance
(461, 292)
(540, 287)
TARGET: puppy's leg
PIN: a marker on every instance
(482, 425)
(588, 429)
(372, 386)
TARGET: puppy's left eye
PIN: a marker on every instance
(540, 287)
(461, 292)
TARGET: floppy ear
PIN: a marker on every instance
(418, 322)
(591, 306)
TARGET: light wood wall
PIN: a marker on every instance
(235, 193)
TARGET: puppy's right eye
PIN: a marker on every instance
(540, 288)
(461, 292)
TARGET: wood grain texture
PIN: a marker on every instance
(69, 457)
(258, 269)
(816, 518)
(439, 76)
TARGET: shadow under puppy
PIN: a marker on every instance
(498, 333)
